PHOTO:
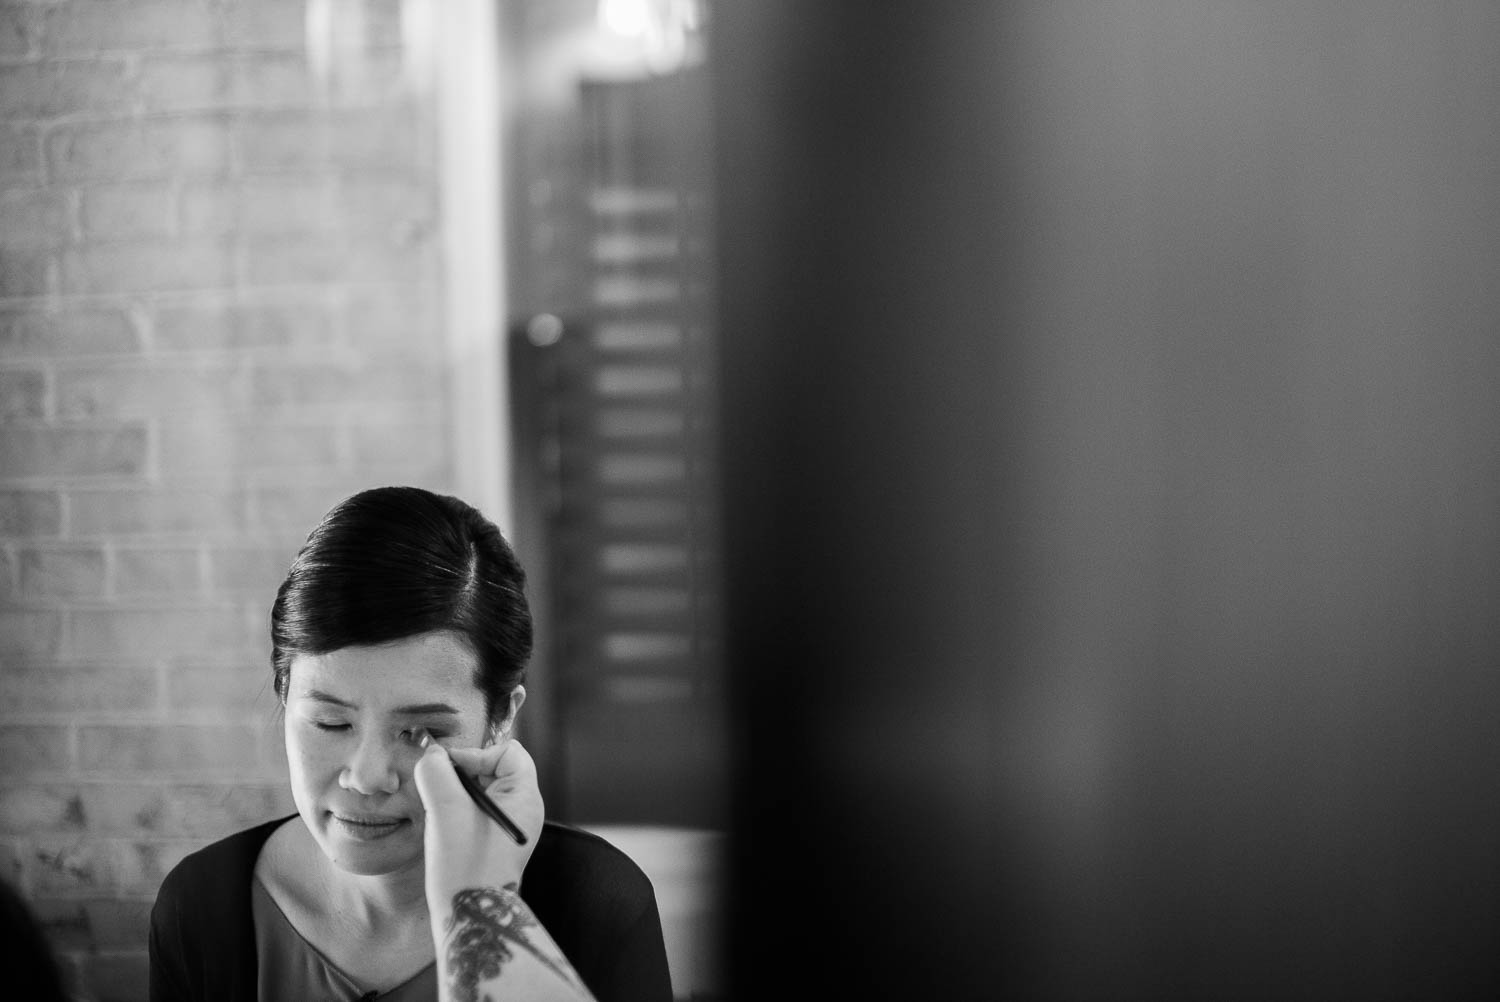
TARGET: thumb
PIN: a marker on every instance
(437, 783)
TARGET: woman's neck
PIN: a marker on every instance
(378, 904)
(303, 879)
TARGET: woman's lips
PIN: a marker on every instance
(366, 827)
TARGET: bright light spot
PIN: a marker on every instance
(631, 18)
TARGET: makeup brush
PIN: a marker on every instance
(481, 799)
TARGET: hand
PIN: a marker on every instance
(487, 940)
(462, 847)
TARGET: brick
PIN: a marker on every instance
(53, 89)
(62, 573)
(81, 29)
(185, 83)
(203, 447)
(148, 267)
(30, 634)
(242, 691)
(420, 449)
(31, 750)
(95, 923)
(86, 331)
(292, 261)
(153, 858)
(208, 209)
(304, 325)
(27, 451)
(158, 571)
(141, 634)
(13, 863)
(20, 154)
(407, 319)
(23, 394)
(75, 866)
(391, 205)
(177, 749)
(382, 24)
(374, 81)
(378, 139)
(278, 385)
(289, 261)
(24, 272)
(30, 807)
(65, 923)
(72, 976)
(410, 379)
(33, 217)
(182, 809)
(271, 80)
(78, 689)
(140, 149)
(254, 24)
(410, 259)
(244, 570)
(149, 512)
(19, 27)
(119, 923)
(116, 977)
(280, 205)
(125, 211)
(157, 388)
(33, 514)
(295, 509)
(282, 141)
(8, 575)
(283, 205)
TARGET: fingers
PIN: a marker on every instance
(479, 762)
(508, 761)
(436, 781)
(460, 844)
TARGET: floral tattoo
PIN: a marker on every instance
(485, 930)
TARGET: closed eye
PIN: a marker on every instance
(324, 726)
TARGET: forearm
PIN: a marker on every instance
(489, 943)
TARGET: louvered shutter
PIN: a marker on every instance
(619, 411)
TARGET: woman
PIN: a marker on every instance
(399, 645)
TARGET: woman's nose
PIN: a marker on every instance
(373, 768)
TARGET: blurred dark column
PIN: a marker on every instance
(866, 236)
(1112, 497)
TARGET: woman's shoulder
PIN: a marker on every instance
(576, 847)
(226, 863)
(600, 908)
(202, 911)
(572, 861)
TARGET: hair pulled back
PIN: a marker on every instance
(394, 562)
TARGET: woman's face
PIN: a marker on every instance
(352, 719)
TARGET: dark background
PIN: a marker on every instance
(1110, 396)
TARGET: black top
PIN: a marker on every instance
(593, 899)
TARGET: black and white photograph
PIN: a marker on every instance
(724, 500)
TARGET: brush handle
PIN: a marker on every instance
(484, 803)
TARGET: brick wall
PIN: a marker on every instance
(220, 308)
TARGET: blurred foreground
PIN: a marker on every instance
(1113, 498)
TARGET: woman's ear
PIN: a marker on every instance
(503, 727)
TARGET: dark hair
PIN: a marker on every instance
(395, 562)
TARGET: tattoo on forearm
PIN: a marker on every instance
(486, 928)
